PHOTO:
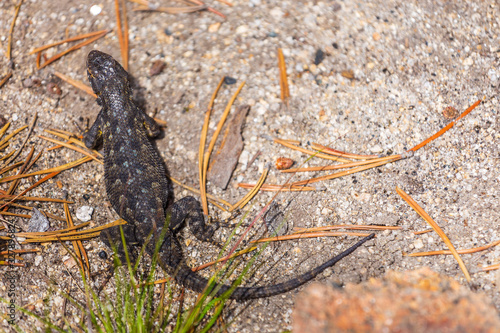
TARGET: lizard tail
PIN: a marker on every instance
(191, 280)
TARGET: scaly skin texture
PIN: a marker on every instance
(137, 187)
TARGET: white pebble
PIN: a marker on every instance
(468, 61)
(418, 244)
(326, 211)
(376, 149)
(492, 74)
(277, 13)
(95, 10)
(242, 29)
(38, 260)
(84, 213)
(58, 302)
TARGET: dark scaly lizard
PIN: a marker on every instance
(136, 183)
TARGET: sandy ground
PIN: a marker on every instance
(410, 60)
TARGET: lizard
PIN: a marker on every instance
(137, 185)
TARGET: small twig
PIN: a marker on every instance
(22, 169)
(339, 166)
(279, 188)
(77, 245)
(68, 40)
(310, 152)
(208, 264)
(30, 129)
(347, 172)
(413, 204)
(335, 152)
(50, 170)
(125, 35)
(23, 198)
(20, 251)
(285, 92)
(4, 129)
(78, 149)
(446, 128)
(52, 216)
(243, 201)
(170, 10)
(347, 226)
(308, 235)
(10, 167)
(490, 268)
(5, 78)
(11, 31)
(71, 49)
(11, 135)
(219, 127)
(75, 83)
(201, 150)
(422, 232)
(210, 9)
(122, 33)
(465, 251)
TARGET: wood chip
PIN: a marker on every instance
(227, 156)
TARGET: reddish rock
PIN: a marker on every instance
(412, 301)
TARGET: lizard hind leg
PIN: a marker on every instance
(188, 210)
(112, 238)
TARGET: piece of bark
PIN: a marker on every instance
(226, 158)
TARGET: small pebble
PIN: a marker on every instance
(38, 222)
(418, 244)
(468, 61)
(103, 255)
(38, 260)
(326, 211)
(276, 13)
(214, 27)
(283, 163)
(229, 80)
(450, 112)
(376, 36)
(348, 74)
(319, 57)
(95, 10)
(58, 302)
(84, 213)
(69, 263)
(54, 89)
(157, 67)
(242, 29)
(376, 149)
(32, 82)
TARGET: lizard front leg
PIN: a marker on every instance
(93, 137)
(112, 238)
(152, 128)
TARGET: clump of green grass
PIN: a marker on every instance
(136, 307)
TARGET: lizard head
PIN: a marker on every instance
(104, 71)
